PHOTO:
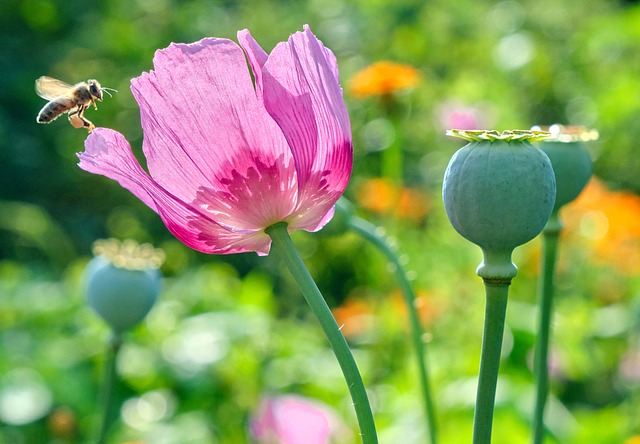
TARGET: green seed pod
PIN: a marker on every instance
(123, 282)
(498, 193)
(570, 160)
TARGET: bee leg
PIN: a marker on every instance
(78, 120)
(95, 105)
(75, 117)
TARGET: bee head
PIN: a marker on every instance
(95, 90)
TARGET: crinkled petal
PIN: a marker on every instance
(200, 114)
(256, 55)
(108, 153)
(301, 91)
(300, 75)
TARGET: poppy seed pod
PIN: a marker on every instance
(498, 193)
(570, 159)
(123, 282)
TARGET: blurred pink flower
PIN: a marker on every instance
(226, 159)
(555, 365)
(454, 114)
(630, 367)
(292, 419)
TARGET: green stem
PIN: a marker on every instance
(284, 247)
(497, 295)
(369, 231)
(541, 371)
(108, 387)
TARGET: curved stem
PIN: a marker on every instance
(109, 386)
(284, 247)
(550, 249)
(368, 231)
(495, 312)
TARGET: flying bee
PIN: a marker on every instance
(70, 99)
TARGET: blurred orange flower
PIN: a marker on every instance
(412, 205)
(633, 440)
(611, 221)
(354, 316)
(428, 309)
(381, 196)
(63, 423)
(383, 79)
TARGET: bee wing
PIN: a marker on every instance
(49, 88)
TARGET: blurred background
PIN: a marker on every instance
(228, 330)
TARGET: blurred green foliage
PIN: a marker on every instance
(229, 328)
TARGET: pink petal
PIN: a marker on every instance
(200, 115)
(302, 93)
(256, 55)
(200, 140)
(302, 422)
(108, 153)
(292, 419)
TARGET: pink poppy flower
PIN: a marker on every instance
(294, 419)
(227, 158)
(458, 115)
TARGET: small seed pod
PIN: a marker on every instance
(123, 282)
(498, 193)
(570, 159)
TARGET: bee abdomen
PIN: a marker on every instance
(54, 109)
